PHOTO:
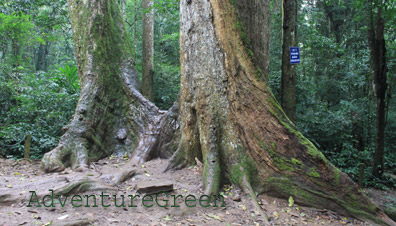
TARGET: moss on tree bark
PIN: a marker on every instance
(228, 117)
(111, 115)
(253, 137)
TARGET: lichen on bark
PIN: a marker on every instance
(220, 89)
(111, 115)
(227, 116)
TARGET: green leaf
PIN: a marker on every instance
(291, 201)
(167, 218)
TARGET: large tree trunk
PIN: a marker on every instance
(232, 122)
(148, 50)
(111, 115)
(254, 24)
(289, 39)
(229, 118)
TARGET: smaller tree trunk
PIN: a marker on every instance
(3, 48)
(148, 50)
(123, 8)
(288, 79)
(41, 60)
(16, 48)
(135, 31)
(378, 77)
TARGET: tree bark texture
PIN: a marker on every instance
(254, 23)
(289, 39)
(41, 60)
(229, 119)
(379, 69)
(148, 50)
(111, 115)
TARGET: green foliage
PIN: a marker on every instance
(166, 47)
(68, 79)
(37, 104)
(16, 30)
(31, 102)
(15, 27)
(335, 107)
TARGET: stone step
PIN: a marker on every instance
(155, 186)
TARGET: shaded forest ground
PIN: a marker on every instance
(186, 181)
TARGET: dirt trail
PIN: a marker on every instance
(19, 179)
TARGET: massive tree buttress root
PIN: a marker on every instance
(231, 121)
(229, 117)
(111, 114)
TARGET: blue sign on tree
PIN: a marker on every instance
(294, 55)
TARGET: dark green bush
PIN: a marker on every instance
(39, 104)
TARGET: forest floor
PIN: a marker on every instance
(16, 177)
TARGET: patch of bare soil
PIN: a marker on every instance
(21, 179)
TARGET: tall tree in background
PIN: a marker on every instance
(289, 39)
(229, 117)
(148, 50)
(41, 63)
(379, 69)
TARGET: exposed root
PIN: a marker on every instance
(124, 176)
(80, 186)
(178, 159)
(59, 185)
(52, 161)
(160, 137)
(8, 198)
(390, 211)
(169, 136)
(119, 177)
(21, 160)
(70, 152)
(250, 193)
(212, 170)
(80, 222)
(148, 142)
(17, 194)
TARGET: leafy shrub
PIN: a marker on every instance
(38, 104)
